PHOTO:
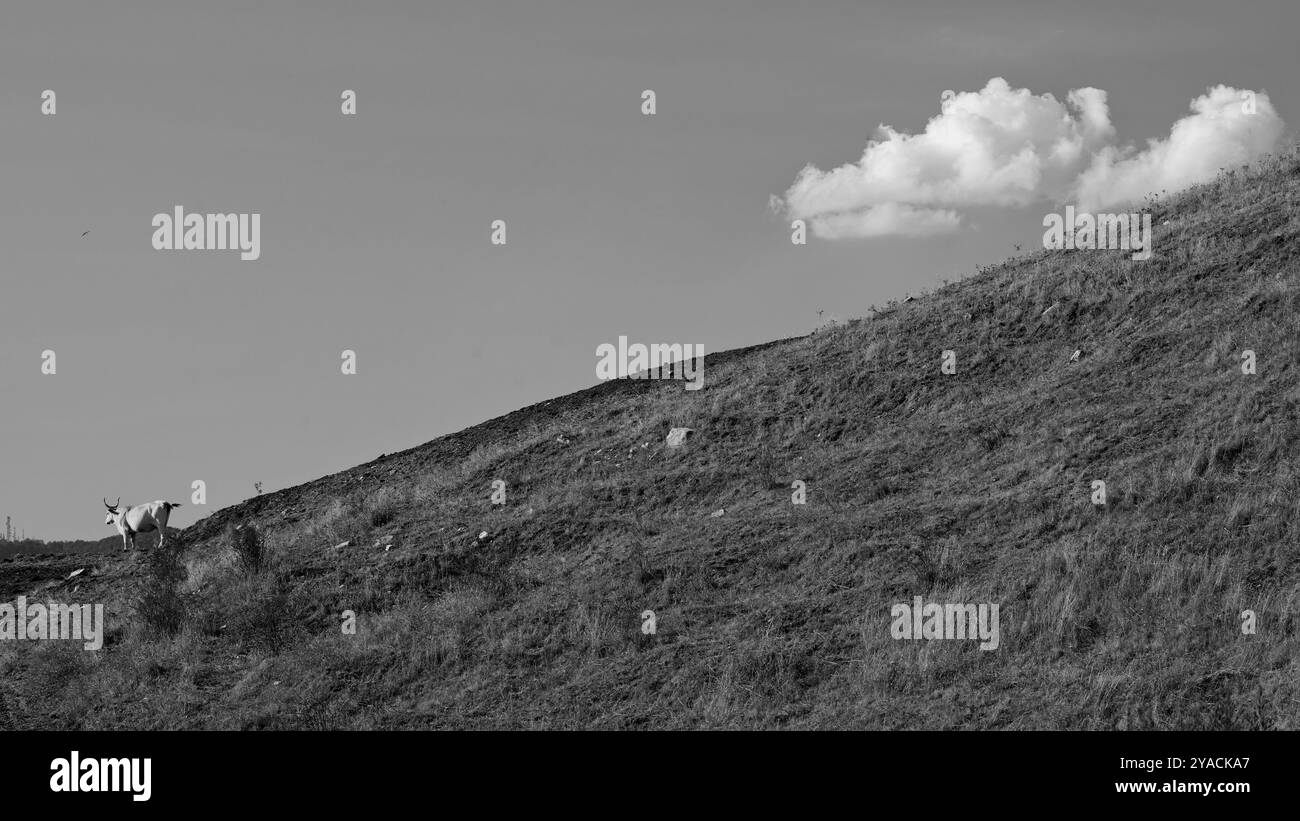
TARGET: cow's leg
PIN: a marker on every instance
(126, 545)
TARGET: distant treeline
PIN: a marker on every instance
(32, 547)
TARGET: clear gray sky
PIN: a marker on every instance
(176, 366)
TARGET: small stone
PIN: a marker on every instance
(678, 436)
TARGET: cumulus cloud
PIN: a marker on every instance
(886, 219)
(1227, 127)
(1008, 147)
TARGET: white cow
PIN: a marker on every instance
(135, 519)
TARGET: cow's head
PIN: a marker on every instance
(111, 517)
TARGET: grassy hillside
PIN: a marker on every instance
(973, 487)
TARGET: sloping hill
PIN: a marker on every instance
(971, 487)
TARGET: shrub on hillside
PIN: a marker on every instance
(249, 547)
(259, 619)
(383, 506)
(383, 513)
(161, 607)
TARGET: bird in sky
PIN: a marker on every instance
(83, 233)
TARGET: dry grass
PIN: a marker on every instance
(973, 487)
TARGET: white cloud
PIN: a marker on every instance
(1219, 133)
(1008, 147)
(886, 219)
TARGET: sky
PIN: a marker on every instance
(176, 366)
